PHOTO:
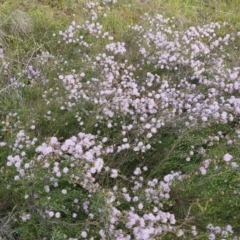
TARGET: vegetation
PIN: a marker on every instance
(119, 119)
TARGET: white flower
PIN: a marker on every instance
(47, 189)
(172, 219)
(148, 126)
(64, 191)
(53, 141)
(234, 165)
(153, 130)
(211, 236)
(168, 178)
(180, 233)
(84, 234)
(203, 170)
(137, 171)
(2, 144)
(104, 139)
(16, 178)
(227, 157)
(127, 197)
(210, 226)
(114, 173)
(229, 228)
(140, 206)
(145, 168)
(75, 200)
(204, 119)
(149, 135)
(47, 150)
(135, 198)
(99, 164)
(57, 214)
(26, 217)
(206, 163)
(51, 214)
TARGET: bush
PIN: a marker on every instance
(113, 138)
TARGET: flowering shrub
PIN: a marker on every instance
(108, 113)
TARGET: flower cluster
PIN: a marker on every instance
(223, 232)
(145, 217)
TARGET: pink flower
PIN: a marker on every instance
(227, 157)
(206, 163)
(203, 170)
